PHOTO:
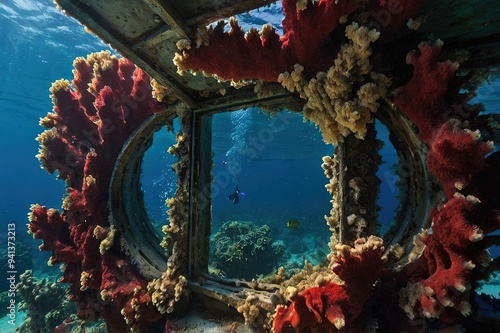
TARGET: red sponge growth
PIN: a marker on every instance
(307, 40)
(456, 155)
(440, 279)
(432, 101)
(92, 118)
(430, 98)
(442, 275)
(333, 307)
(234, 56)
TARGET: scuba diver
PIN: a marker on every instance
(235, 196)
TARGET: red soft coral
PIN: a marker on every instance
(91, 121)
(333, 307)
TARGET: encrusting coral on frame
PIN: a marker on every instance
(92, 117)
(343, 99)
(333, 305)
(440, 118)
(439, 281)
(264, 55)
(341, 95)
(343, 84)
(340, 90)
(307, 29)
(354, 188)
(169, 288)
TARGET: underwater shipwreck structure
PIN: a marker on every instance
(411, 64)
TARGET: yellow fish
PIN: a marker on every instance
(293, 224)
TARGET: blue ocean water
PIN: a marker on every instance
(39, 44)
(281, 180)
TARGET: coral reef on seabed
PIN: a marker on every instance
(45, 302)
(242, 249)
(92, 117)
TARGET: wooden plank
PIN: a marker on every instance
(225, 9)
(146, 32)
(94, 21)
(461, 22)
(170, 15)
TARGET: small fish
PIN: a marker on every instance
(293, 224)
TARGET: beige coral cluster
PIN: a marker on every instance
(309, 276)
(162, 93)
(342, 100)
(177, 204)
(330, 167)
(108, 241)
(361, 246)
(250, 308)
(167, 290)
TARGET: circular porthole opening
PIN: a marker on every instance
(388, 173)
(158, 179)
